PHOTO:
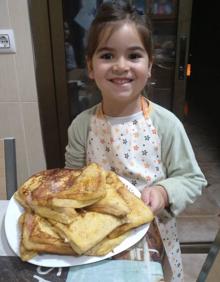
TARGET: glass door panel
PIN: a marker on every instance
(162, 8)
(77, 17)
(163, 15)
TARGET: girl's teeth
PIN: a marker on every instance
(121, 81)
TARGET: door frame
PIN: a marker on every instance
(183, 34)
(48, 37)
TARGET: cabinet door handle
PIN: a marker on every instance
(182, 57)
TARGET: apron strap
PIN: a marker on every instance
(146, 108)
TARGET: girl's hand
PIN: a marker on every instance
(156, 197)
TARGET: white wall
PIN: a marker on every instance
(19, 111)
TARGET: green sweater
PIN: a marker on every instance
(184, 180)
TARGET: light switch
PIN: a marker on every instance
(7, 41)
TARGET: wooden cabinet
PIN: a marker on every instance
(163, 15)
(171, 29)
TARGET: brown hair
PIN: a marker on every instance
(113, 15)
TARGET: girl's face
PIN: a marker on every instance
(120, 66)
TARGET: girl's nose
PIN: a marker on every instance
(120, 66)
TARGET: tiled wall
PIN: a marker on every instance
(19, 111)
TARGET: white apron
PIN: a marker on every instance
(130, 146)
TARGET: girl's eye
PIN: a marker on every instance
(134, 56)
(107, 56)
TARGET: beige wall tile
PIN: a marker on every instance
(4, 18)
(18, 86)
(24, 66)
(12, 126)
(8, 79)
(35, 154)
(22, 122)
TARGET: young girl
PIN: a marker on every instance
(126, 133)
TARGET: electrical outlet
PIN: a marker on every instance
(7, 42)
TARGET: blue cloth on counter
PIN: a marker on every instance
(116, 271)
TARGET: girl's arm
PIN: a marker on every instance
(185, 181)
(75, 155)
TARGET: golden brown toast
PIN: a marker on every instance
(24, 253)
(60, 214)
(113, 180)
(40, 187)
(106, 245)
(83, 212)
(39, 236)
(87, 230)
(112, 203)
(139, 214)
(64, 187)
(64, 215)
(89, 185)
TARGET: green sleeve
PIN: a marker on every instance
(75, 155)
(184, 180)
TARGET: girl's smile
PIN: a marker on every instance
(121, 81)
(120, 68)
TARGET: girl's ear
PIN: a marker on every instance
(90, 69)
(149, 69)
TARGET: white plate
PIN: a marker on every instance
(13, 235)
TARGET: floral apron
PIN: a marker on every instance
(130, 146)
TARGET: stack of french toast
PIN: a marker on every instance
(77, 212)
